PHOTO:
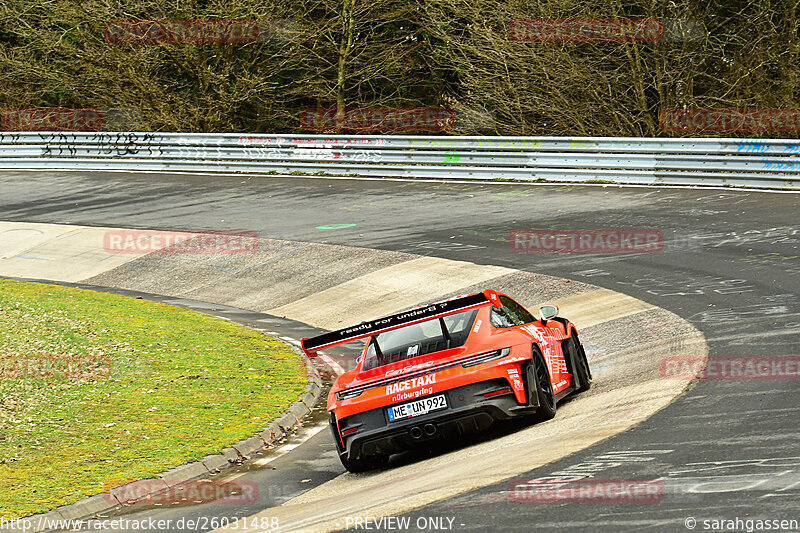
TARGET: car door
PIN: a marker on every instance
(549, 338)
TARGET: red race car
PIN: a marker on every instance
(448, 368)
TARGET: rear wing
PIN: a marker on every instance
(406, 318)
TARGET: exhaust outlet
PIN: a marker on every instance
(429, 429)
(415, 432)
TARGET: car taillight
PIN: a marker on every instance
(347, 394)
(488, 356)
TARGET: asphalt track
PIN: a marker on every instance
(726, 449)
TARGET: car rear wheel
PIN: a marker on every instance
(363, 464)
(582, 365)
(539, 384)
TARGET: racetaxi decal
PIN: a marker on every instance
(410, 368)
(477, 326)
(409, 384)
(547, 337)
(513, 376)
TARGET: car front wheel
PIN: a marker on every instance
(539, 384)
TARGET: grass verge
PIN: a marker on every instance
(97, 390)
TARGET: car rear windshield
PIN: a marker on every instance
(419, 339)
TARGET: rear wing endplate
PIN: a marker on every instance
(406, 318)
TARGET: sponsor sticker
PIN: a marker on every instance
(410, 384)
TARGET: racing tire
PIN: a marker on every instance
(582, 371)
(363, 464)
(539, 383)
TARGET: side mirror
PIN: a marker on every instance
(546, 312)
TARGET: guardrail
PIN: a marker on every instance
(730, 162)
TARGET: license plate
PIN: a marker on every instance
(417, 407)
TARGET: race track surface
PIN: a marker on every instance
(725, 449)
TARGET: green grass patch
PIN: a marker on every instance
(97, 390)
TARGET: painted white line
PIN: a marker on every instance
(286, 448)
(291, 341)
(316, 429)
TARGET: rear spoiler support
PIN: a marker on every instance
(419, 314)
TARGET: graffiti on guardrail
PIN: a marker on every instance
(752, 147)
(773, 165)
(313, 154)
(310, 143)
(63, 143)
(122, 144)
(116, 144)
(766, 162)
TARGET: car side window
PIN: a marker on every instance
(519, 313)
(500, 318)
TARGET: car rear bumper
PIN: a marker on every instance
(468, 411)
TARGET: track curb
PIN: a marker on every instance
(243, 450)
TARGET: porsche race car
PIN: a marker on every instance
(446, 369)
